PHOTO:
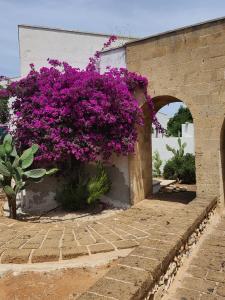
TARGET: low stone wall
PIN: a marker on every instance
(166, 279)
(146, 269)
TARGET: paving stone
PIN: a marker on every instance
(98, 248)
(150, 265)
(221, 290)
(44, 255)
(185, 294)
(116, 289)
(211, 297)
(216, 276)
(125, 244)
(15, 244)
(213, 264)
(92, 296)
(134, 276)
(197, 272)
(68, 237)
(198, 284)
(162, 256)
(31, 245)
(15, 256)
(72, 252)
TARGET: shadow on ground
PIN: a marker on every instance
(180, 197)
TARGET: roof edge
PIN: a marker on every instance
(72, 31)
(177, 30)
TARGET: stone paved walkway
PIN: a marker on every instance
(23, 242)
(204, 277)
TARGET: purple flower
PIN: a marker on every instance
(77, 113)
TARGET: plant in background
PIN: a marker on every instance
(84, 190)
(181, 166)
(157, 163)
(98, 185)
(179, 153)
(14, 173)
(174, 125)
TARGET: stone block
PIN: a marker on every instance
(44, 255)
(98, 248)
(15, 256)
(73, 252)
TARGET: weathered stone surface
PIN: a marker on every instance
(118, 289)
(72, 252)
(15, 256)
(198, 284)
(136, 277)
(125, 244)
(185, 294)
(48, 254)
(221, 290)
(98, 248)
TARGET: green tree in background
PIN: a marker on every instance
(174, 125)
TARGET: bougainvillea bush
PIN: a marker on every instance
(78, 114)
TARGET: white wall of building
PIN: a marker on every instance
(159, 144)
(188, 130)
(37, 44)
(113, 58)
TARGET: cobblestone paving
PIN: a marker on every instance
(23, 242)
(204, 278)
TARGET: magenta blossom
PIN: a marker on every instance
(76, 113)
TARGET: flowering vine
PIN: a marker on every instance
(77, 113)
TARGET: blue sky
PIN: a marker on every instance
(135, 18)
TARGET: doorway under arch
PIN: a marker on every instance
(177, 192)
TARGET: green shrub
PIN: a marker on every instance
(157, 163)
(84, 191)
(181, 169)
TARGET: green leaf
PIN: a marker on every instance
(35, 148)
(9, 191)
(52, 171)
(9, 166)
(8, 147)
(16, 162)
(14, 152)
(35, 173)
(26, 153)
(7, 139)
(2, 151)
(27, 158)
(4, 171)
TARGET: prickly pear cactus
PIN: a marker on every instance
(15, 172)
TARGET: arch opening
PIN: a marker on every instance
(175, 149)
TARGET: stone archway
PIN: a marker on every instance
(140, 163)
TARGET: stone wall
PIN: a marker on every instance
(189, 65)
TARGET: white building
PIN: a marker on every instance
(37, 44)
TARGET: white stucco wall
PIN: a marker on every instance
(37, 44)
(113, 58)
(159, 144)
